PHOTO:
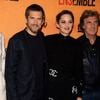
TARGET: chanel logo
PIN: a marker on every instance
(50, 98)
(53, 72)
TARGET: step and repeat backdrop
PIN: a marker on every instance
(12, 17)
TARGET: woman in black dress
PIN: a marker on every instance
(61, 52)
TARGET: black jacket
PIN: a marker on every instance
(62, 59)
(26, 67)
(91, 62)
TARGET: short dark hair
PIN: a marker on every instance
(86, 14)
(58, 16)
(34, 7)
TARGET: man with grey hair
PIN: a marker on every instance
(89, 45)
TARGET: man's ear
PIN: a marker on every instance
(57, 25)
(44, 23)
(83, 27)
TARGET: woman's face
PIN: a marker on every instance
(65, 24)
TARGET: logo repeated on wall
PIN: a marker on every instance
(77, 2)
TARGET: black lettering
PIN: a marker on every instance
(91, 2)
(85, 3)
(80, 2)
(74, 2)
(77, 2)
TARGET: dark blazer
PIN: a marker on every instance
(90, 56)
(26, 67)
(63, 68)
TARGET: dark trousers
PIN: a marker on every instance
(91, 94)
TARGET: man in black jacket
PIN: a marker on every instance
(26, 67)
(90, 46)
